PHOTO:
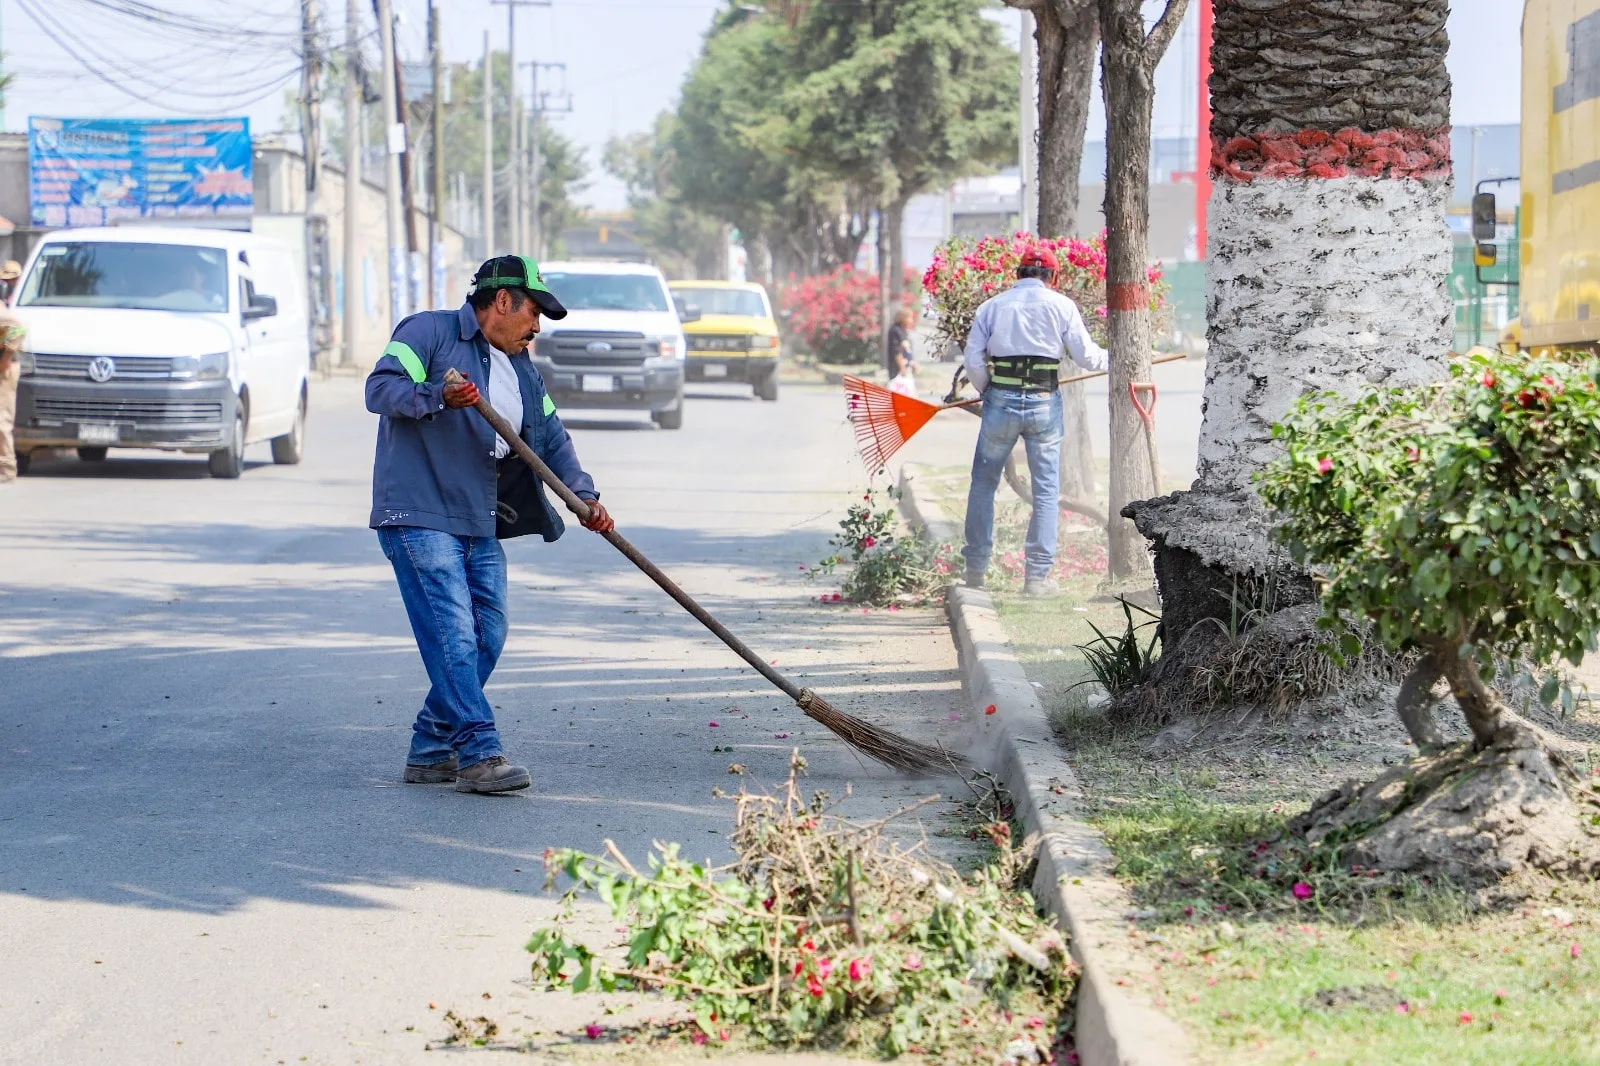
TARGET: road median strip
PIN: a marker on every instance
(1116, 1026)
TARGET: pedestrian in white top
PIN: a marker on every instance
(1013, 358)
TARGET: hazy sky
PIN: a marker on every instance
(625, 60)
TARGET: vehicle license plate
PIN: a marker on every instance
(99, 433)
(716, 370)
(599, 383)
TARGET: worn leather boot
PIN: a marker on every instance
(439, 773)
(1040, 586)
(975, 579)
(493, 774)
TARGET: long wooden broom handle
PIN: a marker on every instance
(1066, 381)
(581, 508)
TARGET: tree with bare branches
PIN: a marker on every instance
(1066, 36)
(1129, 54)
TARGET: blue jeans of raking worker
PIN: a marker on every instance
(1036, 418)
(454, 590)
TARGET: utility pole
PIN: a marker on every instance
(311, 97)
(513, 157)
(407, 187)
(488, 148)
(352, 176)
(436, 228)
(536, 148)
(395, 134)
(1028, 141)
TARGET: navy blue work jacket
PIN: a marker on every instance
(435, 466)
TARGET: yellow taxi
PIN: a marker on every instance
(731, 333)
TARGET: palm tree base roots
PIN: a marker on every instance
(1473, 817)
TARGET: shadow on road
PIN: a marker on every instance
(196, 746)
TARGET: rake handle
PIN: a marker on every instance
(580, 508)
(1066, 381)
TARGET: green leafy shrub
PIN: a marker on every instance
(887, 566)
(824, 932)
(1462, 518)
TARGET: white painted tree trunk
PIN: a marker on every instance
(1314, 285)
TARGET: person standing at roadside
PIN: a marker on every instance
(11, 334)
(1013, 358)
(446, 489)
(899, 357)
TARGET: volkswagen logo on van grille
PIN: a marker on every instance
(101, 369)
(597, 347)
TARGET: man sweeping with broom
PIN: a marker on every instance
(1013, 358)
(445, 491)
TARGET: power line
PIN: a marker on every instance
(94, 64)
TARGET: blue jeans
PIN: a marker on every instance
(1036, 418)
(454, 590)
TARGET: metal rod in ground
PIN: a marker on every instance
(880, 744)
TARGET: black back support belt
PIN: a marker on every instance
(1026, 373)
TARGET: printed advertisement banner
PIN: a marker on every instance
(95, 171)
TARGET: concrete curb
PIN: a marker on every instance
(1116, 1026)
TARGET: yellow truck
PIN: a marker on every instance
(1560, 239)
(735, 337)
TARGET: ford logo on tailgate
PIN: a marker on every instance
(597, 348)
(101, 369)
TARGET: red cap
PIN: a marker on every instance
(1040, 257)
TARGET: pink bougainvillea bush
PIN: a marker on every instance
(966, 271)
(835, 315)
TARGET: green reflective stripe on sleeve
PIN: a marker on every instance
(549, 405)
(408, 359)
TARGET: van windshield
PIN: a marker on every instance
(607, 292)
(746, 302)
(146, 277)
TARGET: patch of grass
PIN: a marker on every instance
(1492, 988)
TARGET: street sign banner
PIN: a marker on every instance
(95, 171)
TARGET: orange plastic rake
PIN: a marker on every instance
(885, 420)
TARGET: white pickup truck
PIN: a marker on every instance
(193, 340)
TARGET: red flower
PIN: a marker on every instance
(859, 969)
(1324, 465)
(914, 962)
(1302, 890)
(813, 985)
(1487, 379)
(824, 968)
(593, 1031)
(698, 1038)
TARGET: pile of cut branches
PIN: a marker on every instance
(825, 932)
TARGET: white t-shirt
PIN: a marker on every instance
(505, 396)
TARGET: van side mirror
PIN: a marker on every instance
(1485, 254)
(1484, 214)
(260, 307)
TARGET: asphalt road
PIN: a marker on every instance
(206, 686)
(205, 691)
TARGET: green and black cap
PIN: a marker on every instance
(518, 272)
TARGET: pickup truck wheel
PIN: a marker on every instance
(288, 449)
(228, 462)
(24, 460)
(672, 419)
(767, 387)
(92, 455)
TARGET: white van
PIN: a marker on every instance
(193, 340)
(621, 344)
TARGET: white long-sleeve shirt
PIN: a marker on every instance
(1030, 318)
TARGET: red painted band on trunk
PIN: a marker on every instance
(1421, 154)
(1127, 296)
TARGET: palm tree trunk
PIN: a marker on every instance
(1328, 253)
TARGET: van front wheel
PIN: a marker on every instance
(290, 448)
(228, 461)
